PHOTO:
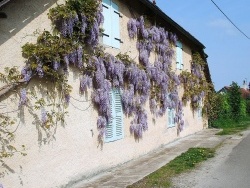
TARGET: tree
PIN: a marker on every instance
(235, 101)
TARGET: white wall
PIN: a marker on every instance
(74, 153)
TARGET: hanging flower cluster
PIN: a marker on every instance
(195, 84)
(79, 20)
(76, 44)
(163, 81)
(77, 23)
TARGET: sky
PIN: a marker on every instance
(227, 48)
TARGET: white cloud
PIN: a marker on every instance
(223, 25)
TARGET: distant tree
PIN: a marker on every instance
(248, 106)
(235, 101)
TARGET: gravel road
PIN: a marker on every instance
(230, 168)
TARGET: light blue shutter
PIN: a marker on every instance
(107, 34)
(114, 129)
(171, 115)
(119, 133)
(109, 134)
(200, 110)
(179, 63)
(115, 25)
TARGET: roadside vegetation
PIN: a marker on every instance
(229, 111)
(183, 163)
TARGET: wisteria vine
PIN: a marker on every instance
(195, 85)
(78, 26)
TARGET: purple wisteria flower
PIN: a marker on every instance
(26, 73)
(79, 56)
(132, 28)
(101, 122)
(66, 25)
(39, 70)
(44, 117)
(67, 98)
(85, 82)
(23, 97)
(84, 24)
(99, 15)
(73, 57)
(66, 60)
(93, 37)
(56, 65)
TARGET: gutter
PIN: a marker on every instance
(3, 2)
(159, 12)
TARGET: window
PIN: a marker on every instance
(111, 25)
(114, 130)
(199, 110)
(179, 61)
(171, 115)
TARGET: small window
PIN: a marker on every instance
(115, 130)
(179, 60)
(199, 110)
(111, 25)
(171, 115)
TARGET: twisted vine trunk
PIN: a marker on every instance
(5, 89)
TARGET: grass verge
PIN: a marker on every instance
(231, 127)
(184, 162)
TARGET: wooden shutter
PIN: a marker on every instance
(200, 110)
(107, 34)
(114, 129)
(109, 134)
(119, 133)
(116, 40)
(171, 115)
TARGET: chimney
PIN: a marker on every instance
(244, 84)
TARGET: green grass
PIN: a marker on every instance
(232, 127)
(186, 161)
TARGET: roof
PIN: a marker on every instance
(195, 42)
(3, 2)
(160, 13)
(154, 8)
(245, 93)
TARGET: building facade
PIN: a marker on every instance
(62, 155)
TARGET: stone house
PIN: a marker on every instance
(73, 152)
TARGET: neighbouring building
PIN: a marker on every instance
(62, 155)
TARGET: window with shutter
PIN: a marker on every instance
(115, 130)
(199, 110)
(179, 61)
(111, 25)
(106, 4)
(171, 115)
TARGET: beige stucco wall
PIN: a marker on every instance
(74, 153)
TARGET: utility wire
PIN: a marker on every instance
(229, 19)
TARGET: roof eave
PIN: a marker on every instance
(158, 11)
(3, 2)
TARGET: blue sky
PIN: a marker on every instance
(227, 48)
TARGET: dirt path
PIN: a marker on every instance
(230, 167)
